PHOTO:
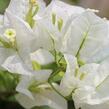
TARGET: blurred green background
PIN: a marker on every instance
(3, 5)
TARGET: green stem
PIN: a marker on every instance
(85, 35)
(71, 104)
(56, 90)
(50, 82)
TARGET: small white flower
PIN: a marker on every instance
(10, 34)
(16, 38)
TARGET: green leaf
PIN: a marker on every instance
(3, 5)
(8, 81)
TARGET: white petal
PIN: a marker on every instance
(101, 94)
(103, 53)
(21, 7)
(53, 100)
(63, 10)
(97, 79)
(45, 25)
(80, 96)
(14, 64)
(44, 39)
(85, 25)
(39, 76)
(90, 73)
(18, 8)
(23, 86)
(42, 75)
(42, 56)
(4, 54)
(49, 98)
(25, 101)
(68, 82)
(42, 6)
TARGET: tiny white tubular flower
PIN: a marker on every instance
(52, 23)
(33, 92)
(10, 34)
(86, 37)
(87, 84)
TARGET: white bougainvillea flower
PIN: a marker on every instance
(34, 91)
(87, 84)
(76, 77)
(41, 43)
(14, 64)
(86, 37)
(52, 23)
(26, 10)
(15, 38)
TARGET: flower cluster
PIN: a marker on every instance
(60, 51)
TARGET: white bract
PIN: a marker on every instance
(35, 92)
(26, 9)
(86, 37)
(87, 84)
(34, 89)
(52, 24)
(15, 38)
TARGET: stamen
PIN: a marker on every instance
(60, 24)
(76, 72)
(82, 76)
(32, 12)
(53, 18)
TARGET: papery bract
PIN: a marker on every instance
(85, 37)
